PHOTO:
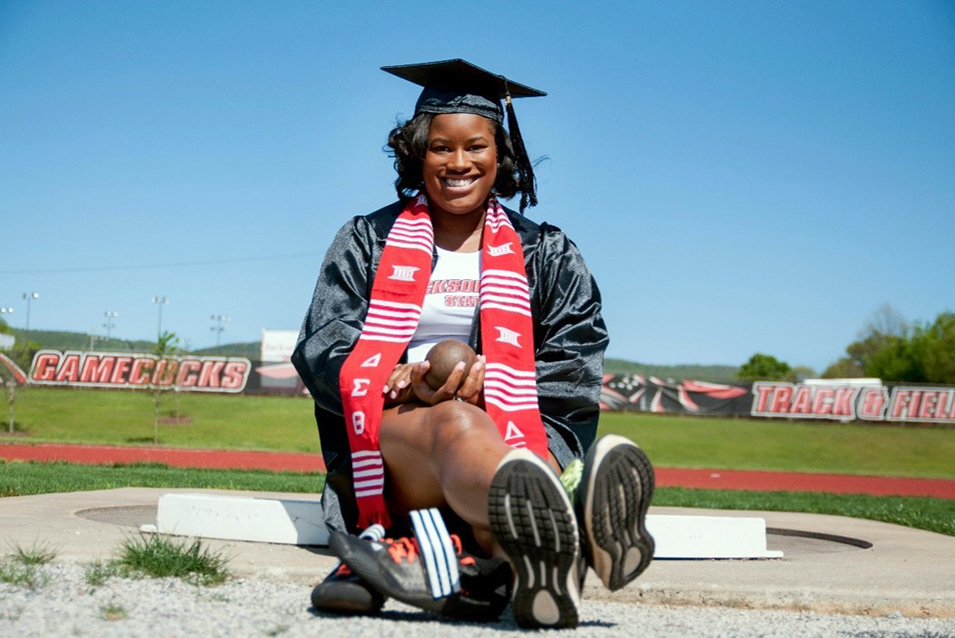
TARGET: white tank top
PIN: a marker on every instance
(449, 303)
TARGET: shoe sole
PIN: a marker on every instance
(616, 491)
(533, 520)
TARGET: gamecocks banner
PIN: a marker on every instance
(643, 393)
(146, 371)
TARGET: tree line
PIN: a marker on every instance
(887, 348)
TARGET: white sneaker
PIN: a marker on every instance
(611, 504)
(533, 519)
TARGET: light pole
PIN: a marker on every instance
(93, 337)
(110, 324)
(161, 301)
(29, 296)
(218, 328)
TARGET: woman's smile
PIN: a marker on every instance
(459, 182)
(460, 165)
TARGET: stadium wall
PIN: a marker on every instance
(835, 400)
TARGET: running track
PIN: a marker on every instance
(667, 477)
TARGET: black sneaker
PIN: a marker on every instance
(611, 504)
(395, 568)
(533, 520)
(344, 592)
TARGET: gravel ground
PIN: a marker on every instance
(64, 604)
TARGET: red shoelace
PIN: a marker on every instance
(405, 548)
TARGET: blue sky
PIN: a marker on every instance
(741, 176)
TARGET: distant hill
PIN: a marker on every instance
(64, 340)
(714, 373)
(249, 350)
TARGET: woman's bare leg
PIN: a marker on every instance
(440, 455)
(445, 454)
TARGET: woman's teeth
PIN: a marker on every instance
(457, 183)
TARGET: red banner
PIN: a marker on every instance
(836, 400)
(847, 402)
(134, 370)
(647, 393)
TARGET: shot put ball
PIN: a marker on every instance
(443, 356)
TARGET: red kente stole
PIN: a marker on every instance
(507, 341)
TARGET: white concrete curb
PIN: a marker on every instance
(290, 522)
(241, 518)
(683, 537)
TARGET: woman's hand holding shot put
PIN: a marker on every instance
(408, 384)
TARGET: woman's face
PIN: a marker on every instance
(460, 165)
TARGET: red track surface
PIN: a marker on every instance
(178, 457)
(796, 482)
(667, 477)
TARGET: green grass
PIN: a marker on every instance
(17, 478)
(161, 557)
(932, 514)
(287, 424)
(158, 556)
(23, 479)
(779, 445)
(21, 568)
(121, 417)
(27, 576)
(98, 572)
(36, 554)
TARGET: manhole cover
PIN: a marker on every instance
(127, 516)
(794, 542)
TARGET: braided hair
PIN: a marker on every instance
(408, 144)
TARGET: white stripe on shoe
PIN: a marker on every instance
(437, 551)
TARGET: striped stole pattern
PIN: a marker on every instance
(510, 387)
(507, 336)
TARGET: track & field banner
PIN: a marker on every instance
(848, 402)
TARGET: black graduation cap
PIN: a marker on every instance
(457, 86)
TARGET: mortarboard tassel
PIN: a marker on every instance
(525, 171)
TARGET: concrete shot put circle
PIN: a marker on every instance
(829, 564)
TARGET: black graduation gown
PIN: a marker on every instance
(570, 338)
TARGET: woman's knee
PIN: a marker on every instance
(452, 422)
